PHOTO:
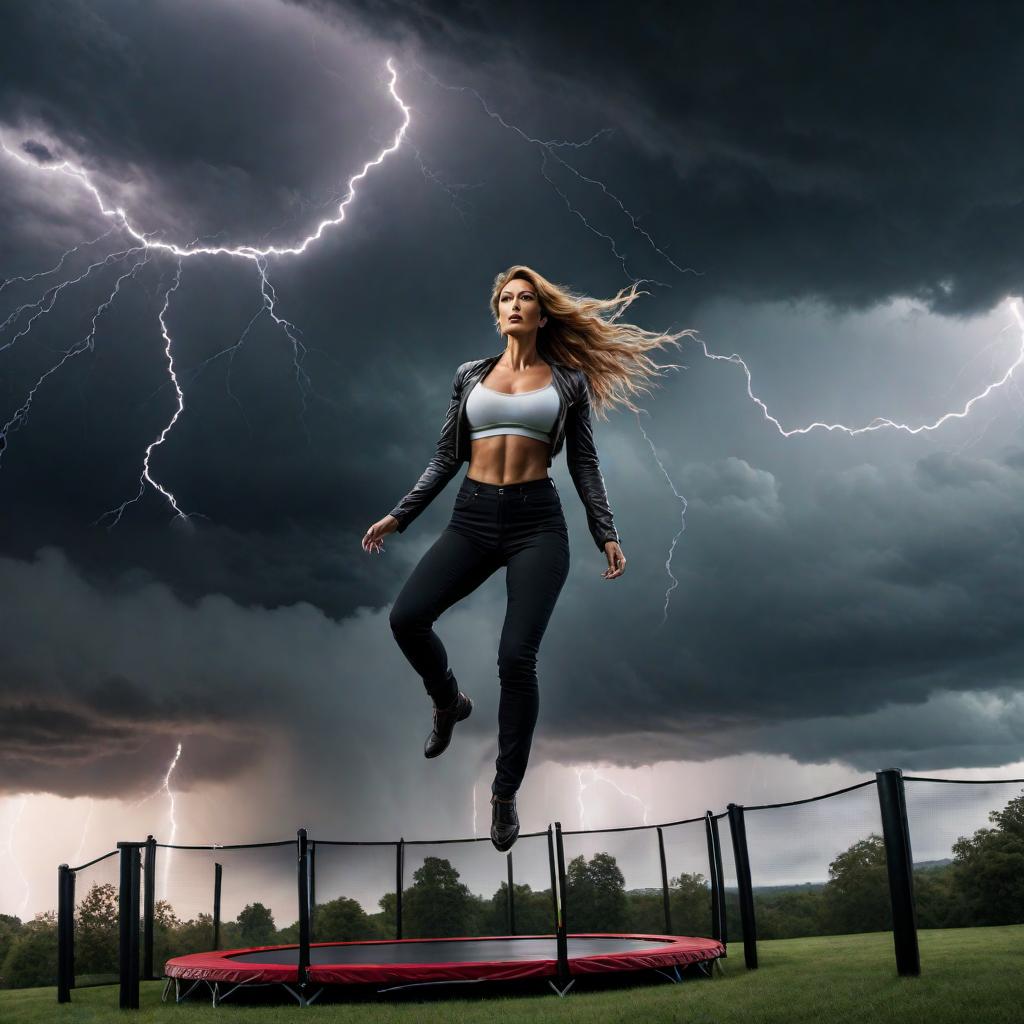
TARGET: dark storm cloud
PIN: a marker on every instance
(94, 678)
(81, 746)
(38, 151)
(870, 653)
(850, 153)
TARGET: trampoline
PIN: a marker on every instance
(403, 963)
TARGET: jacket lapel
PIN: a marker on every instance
(560, 377)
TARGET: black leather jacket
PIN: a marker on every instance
(571, 427)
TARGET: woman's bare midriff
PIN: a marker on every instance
(508, 459)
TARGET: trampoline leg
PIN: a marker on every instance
(167, 988)
(214, 987)
(224, 995)
(561, 992)
(300, 997)
(178, 995)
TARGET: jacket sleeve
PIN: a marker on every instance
(581, 455)
(441, 468)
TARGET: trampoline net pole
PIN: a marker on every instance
(554, 879)
(746, 892)
(399, 879)
(718, 918)
(65, 934)
(900, 869)
(303, 865)
(312, 890)
(71, 927)
(148, 902)
(511, 900)
(561, 937)
(128, 925)
(133, 949)
(664, 882)
(218, 873)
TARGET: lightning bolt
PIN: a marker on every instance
(170, 814)
(682, 519)
(598, 777)
(878, 423)
(547, 149)
(58, 265)
(80, 852)
(8, 848)
(86, 344)
(165, 787)
(257, 254)
(45, 304)
(145, 477)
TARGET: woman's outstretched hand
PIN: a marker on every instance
(373, 539)
(616, 560)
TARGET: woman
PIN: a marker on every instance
(509, 416)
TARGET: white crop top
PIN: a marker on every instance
(529, 413)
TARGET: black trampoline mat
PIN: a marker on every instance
(432, 951)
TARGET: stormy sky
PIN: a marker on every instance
(830, 195)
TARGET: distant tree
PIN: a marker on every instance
(734, 926)
(533, 910)
(856, 896)
(689, 899)
(388, 916)
(230, 933)
(164, 916)
(437, 904)
(595, 895)
(256, 926)
(10, 926)
(939, 903)
(96, 931)
(172, 937)
(342, 920)
(31, 959)
(166, 927)
(645, 912)
(789, 915)
(989, 868)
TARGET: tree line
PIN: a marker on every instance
(982, 885)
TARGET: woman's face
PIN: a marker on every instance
(519, 311)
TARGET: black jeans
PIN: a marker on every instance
(521, 527)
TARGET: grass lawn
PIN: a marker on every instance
(966, 974)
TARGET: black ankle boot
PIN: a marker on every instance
(504, 822)
(444, 724)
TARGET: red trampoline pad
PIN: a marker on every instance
(492, 958)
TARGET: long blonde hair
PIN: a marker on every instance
(610, 354)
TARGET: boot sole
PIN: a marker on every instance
(507, 844)
(458, 718)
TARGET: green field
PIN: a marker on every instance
(966, 974)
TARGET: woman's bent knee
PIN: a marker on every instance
(404, 621)
(518, 670)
